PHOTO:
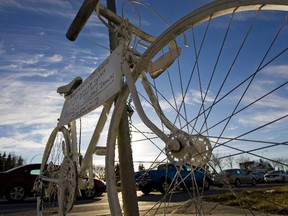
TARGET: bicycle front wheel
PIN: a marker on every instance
(223, 98)
(57, 182)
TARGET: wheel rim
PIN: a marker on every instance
(17, 193)
(165, 187)
(215, 121)
(68, 175)
(61, 169)
(89, 193)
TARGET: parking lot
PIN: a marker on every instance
(99, 205)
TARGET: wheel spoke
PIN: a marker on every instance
(212, 89)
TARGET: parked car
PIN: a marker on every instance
(163, 179)
(276, 176)
(259, 175)
(17, 183)
(234, 176)
(98, 190)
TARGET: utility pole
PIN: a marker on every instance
(128, 184)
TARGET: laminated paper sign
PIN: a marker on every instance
(101, 85)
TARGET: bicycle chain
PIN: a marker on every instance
(129, 110)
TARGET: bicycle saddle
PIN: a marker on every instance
(70, 87)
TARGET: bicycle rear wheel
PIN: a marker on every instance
(227, 89)
(57, 182)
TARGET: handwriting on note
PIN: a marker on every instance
(101, 85)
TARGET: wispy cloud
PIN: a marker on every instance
(261, 118)
(279, 71)
(49, 7)
(29, 113)
(28, 102)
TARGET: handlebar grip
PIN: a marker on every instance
(81, 18)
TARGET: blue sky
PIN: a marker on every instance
(36, 58)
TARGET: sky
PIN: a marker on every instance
(36, 58)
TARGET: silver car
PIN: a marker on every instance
(276, 176)
(234, 176)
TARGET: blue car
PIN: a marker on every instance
(167, 177)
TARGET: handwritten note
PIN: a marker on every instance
(101, 85)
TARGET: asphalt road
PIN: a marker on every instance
(99, 205)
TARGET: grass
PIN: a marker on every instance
(273, 200)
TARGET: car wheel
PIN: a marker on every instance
(185, 187)
(206, 185)
(253, 182)
(146, 189)
(165, 186)
(16, 193)
(237, 183)
(89, 193)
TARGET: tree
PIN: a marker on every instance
(141, 167)
(229, 161)
(99, 172)
(117, 172)
(10, 161)
(242, 159)
(215, 162)
(2, 162)
(279, 163)
(20, 161)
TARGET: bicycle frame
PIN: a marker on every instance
(127, 59)
(71, 145)
(92, 147)
(180, 147)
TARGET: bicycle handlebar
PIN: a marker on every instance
(81, 18)
(85, 12)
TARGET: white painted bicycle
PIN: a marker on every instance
(214, 80)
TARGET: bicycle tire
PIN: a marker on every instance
(57, 182)
(205, 15)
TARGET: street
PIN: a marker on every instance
(99, 205)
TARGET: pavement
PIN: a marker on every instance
(192, 207)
